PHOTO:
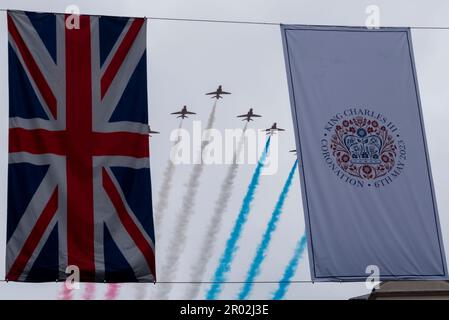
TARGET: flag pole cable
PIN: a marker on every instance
(268, 23)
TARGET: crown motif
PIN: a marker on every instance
(363, 148)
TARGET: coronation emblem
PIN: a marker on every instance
(363, 148)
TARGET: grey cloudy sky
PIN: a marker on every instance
(187, 59)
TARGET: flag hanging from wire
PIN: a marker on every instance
(79, 190)
(367, 187)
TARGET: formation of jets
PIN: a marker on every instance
(217, 94)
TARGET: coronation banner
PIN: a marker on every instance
(367, 186)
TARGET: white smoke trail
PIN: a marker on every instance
(162, 205)
(221, 204)
(164, 191)
(140, 291)
(178, 238)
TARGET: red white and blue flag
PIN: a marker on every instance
(79, 190)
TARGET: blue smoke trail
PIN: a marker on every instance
(231, 245)
(254, 269)
(291, 268)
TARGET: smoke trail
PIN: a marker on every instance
(162, 205)
(254, 269)
(164, 191)
(140, 292)
(89, 291)
(66, 293)
(178, 239)
(231, 245)
(214, 226)
(112, 291)
(290, 269)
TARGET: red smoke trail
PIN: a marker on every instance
(66, 293)
(112, 291)
(89, 291)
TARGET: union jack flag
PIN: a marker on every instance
(79, 190)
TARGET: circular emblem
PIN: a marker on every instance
(363, 148)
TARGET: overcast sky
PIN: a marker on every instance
(187, 59)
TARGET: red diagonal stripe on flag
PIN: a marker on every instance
(120, 55)
(130, 226)
(33, 68)
(34, 237)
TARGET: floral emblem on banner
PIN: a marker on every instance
(365, 146)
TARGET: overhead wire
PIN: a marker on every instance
(247, 22)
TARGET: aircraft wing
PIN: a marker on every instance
(242, 115)
(224, 92)
(279, 129)
(177, 112)
(215, 92)
(256, 115)
(189, 112)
